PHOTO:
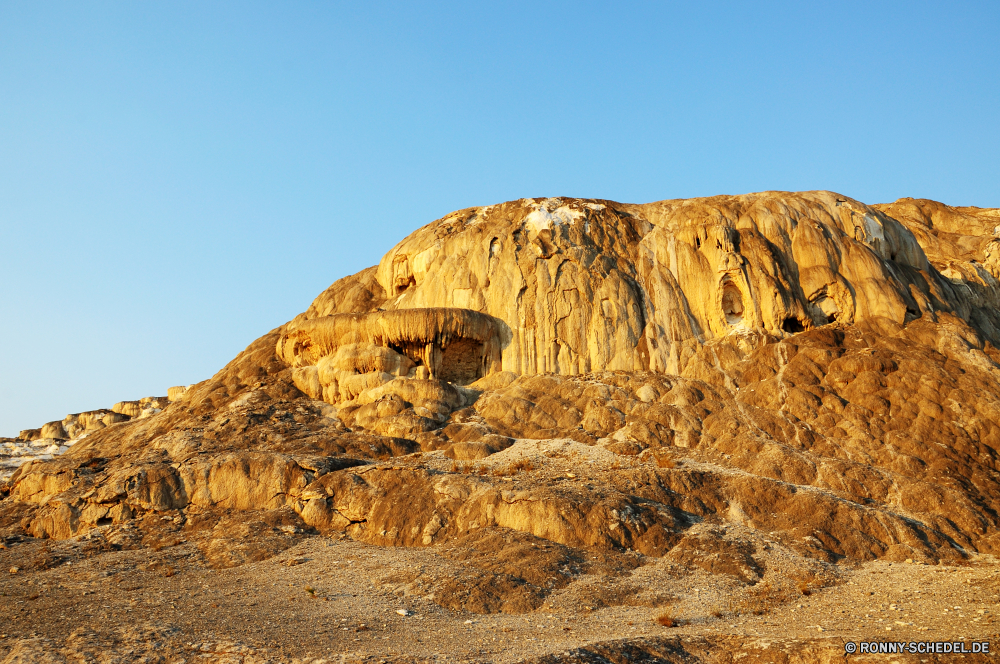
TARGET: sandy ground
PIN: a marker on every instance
(327, 598)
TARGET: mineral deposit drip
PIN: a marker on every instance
(338, 358)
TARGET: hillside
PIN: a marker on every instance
(580, 414)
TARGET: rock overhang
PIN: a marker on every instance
(343, 357)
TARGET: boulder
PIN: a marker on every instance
(93, 419)
(54, 430)
(177, 393)
(129, 408)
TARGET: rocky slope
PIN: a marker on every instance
(560, 397)
(56, 437)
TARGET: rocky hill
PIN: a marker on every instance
(56, 437)
(701, 411)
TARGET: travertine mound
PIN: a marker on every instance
(56, 437)
(595, 285)
(725, 384)
(570, 286)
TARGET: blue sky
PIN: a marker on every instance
(178, 178)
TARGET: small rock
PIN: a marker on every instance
(15, 570)
(404, 612)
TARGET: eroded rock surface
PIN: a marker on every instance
(596, 285)
(56, 437)
(557, 394)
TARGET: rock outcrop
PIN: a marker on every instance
(567, 286)
(814, 373)
(56, 437)
(337, 358)
(595, 285)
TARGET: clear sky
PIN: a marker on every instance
(178, 178)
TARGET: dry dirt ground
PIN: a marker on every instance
(336, 599)
(329, 599)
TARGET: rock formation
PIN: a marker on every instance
(592, 286)
(578, 286)
(58, 436)
(810, 372)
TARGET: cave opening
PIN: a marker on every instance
(732, 304)
(792, 325)
(461, 361)
(828, 309)
(401, 287)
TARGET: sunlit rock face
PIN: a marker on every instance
(582, 285)
(457, 345)
(406, 357)
(963, 245)
(772, 377)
